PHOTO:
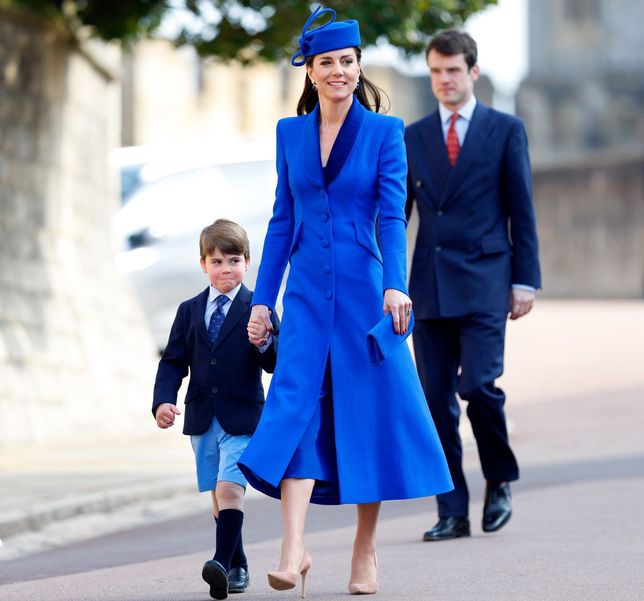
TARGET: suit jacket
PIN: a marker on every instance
(477, 233)
(225, 378)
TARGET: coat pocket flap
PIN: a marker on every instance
(495, 245)
(192, 394)
(367, 238)
(252, 393)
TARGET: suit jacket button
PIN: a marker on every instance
(329, 295)
(213, 362)
(419, 184)
(324, 217)
(439, 213)
(325, 243)
(326, 269)
(214, 390)
(438, 248)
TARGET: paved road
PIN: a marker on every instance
(577, 533)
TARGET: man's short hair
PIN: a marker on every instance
(453, 41)
(226, 236)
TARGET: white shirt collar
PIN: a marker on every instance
(464, 112)
(214, 293)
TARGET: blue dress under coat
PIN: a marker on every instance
(362, 430)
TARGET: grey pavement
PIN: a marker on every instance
(575, 385)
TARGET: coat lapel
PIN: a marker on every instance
(311, 148)
(345, 141)
(432, 136)
(235, 313)
(477, 132)
(198, 315)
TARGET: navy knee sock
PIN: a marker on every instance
(239, 559)
(229, 525)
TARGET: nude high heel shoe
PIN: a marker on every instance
(283, 581)
(365, 588)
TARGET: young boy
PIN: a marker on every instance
(224, 401)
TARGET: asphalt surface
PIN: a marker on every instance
(577, 531)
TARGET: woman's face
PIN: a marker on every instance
(335, 73)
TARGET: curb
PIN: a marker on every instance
(37, 517)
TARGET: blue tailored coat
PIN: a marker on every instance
(477, 233)
(384, 442)
(225, 377)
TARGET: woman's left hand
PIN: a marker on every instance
(399, 305)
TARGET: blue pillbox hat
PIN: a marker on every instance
(330, 36)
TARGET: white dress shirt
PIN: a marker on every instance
(463, 121)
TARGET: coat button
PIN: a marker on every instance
(326, 269)
(324, 243)
(324, 217)
(329, 294)
(439, 213)
(419, 184)
(438, 248)
(213, 362)
(214, 390)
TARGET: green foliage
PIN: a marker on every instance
(250, 30)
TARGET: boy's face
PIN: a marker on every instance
(224, 271)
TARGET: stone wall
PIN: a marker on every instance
(75, 357)
(591, 227)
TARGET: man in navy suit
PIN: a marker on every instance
(476, 260)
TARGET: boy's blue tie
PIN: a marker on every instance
(217, 318)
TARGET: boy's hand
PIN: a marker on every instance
(259, 324)
(165, 415)
(257, 332)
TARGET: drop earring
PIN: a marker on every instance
(315, 86)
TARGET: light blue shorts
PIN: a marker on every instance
(216, 456)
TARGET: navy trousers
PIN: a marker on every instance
(464, 355)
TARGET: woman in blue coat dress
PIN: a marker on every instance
(339, 427)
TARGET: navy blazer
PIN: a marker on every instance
(225, 378)
(477, 234)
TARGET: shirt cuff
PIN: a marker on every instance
(264, 347)
(523, 287)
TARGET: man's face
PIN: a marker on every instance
(452, 82)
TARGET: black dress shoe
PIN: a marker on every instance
(497, 509)
(216, 576)
(238, 580)
(448, 528)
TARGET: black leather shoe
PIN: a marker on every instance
(448, 528)
(216, 576)
(497, 509)
(238, 580)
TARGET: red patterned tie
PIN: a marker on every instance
(453, 145)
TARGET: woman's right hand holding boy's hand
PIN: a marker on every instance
(259, 322)
(165, 415)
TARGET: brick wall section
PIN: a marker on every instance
(75, 357)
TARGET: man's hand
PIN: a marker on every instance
(521, 302)
(165, 415)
